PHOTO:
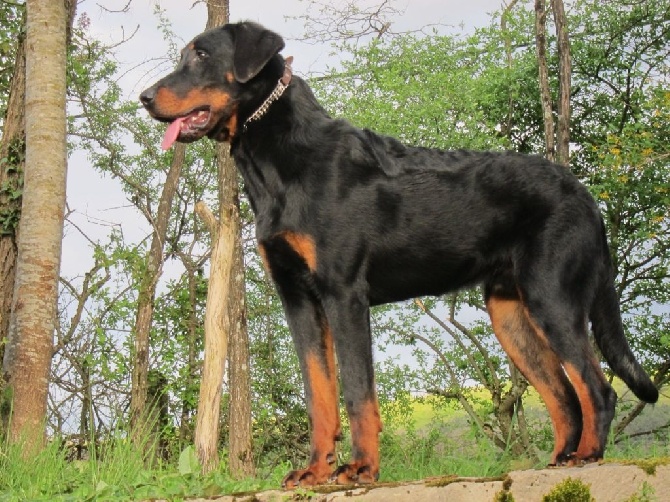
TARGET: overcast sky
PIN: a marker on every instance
(97, 201)
(188, 18)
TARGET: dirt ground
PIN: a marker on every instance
(607, 482)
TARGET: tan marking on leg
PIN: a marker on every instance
(365, 426)
(322, 381)
(304, 246)
(513, 328)
(324, 416)
(264, 258)
(589, 444)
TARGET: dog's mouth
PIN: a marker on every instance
(190, 127)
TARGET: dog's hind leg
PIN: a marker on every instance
(349, 317)
(529, 350)
(597, 399)
(557, 306)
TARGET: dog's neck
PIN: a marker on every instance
(282, 85)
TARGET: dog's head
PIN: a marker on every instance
(202, 95)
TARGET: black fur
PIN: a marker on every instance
(347, 219)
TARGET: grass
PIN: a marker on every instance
(119, 474)
(444, 443)
(440, 441)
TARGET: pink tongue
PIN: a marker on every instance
(172, 133)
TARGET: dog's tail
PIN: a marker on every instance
(609, 335)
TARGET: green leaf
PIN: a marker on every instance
(188, 462)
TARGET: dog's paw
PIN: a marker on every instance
(563, 460)
(355, 473)
(574, 460)
(311, 476)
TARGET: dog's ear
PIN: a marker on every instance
(254, 47)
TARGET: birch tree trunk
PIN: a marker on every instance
(28, 354)
(217, 308)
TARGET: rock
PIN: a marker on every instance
(608, 483)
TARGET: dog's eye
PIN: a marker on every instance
(201, 54)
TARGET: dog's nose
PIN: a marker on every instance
(148, 96)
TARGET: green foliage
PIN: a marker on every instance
(417, 90)
(11, 31)
(646, 494)
(177, 331)
(621, 105)
(91, 357)
(503, 496)
(432, 452)
(11, 191)
(569, 490)
(188, 462)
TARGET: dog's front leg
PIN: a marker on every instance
(291, 260)
(349, 317)
(314, 344)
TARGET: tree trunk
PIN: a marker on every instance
(86, 421)
(158, 418)
(225, 317)
(564, 76)
(217, 322)
(543, 67)
(145, 306)
(240, 452)
(218, 13)
(12, 148)
(556, 134)
(225, 321)
(508, 124)
(240, 433)
(28, 354)
(187, 408)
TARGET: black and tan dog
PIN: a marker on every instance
(347, 219)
